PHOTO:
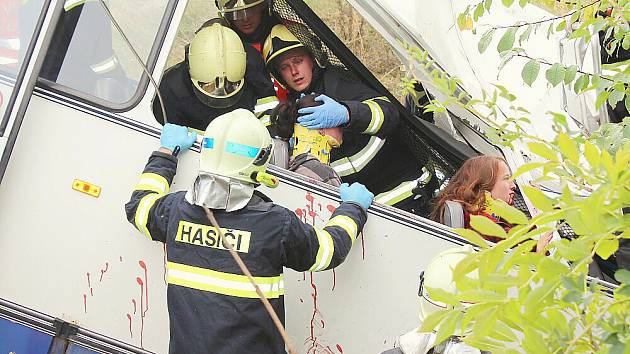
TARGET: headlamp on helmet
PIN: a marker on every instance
(216, 62)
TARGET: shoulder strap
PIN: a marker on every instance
(453, 214)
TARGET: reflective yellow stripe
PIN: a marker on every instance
(71, 4)
(355, 163)
(382, 98)
(346, 223)
(265, 103)
(325, 251)
(152, 182)
(400, 193)
(106, 65)
(265, 120)
(223, 283)
(142, 213)
(377, 117)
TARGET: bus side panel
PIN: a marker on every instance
(17, 338)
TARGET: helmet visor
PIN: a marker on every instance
(221, 93)
(241, 9)
(220, 87)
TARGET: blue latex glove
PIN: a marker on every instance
(328, 115)
(356, 193)
(174, 135)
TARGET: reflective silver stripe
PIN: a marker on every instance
(106, 65)
(11, 43)
(71, 4)
(223, 283)
(266, 103)
(324, 252)
(355, 163)
(377, 117)
(152, 182)
(142, 213)
(266, 120)
(346, 223)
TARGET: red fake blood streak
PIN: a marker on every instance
(309, 207)
(85, 303)
(146, 285)
(331, 208)
(139, 281)
(133, 301)
(298, 212)
(89, 285)
(130, 332)
(103, 271)
(339, 348)
(312, 337)
(334, 279)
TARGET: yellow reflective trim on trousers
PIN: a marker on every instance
(71, 4)
(377, 119)
(265, 104)
(106, 65)
(355, 163)
(324, 252)
(346, 223)
(142, 213)
(398, 194)
(152, 182)
(223, 283)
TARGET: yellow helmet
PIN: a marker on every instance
(216, 63)
(237, 9)
(279, 41)
(237, 145)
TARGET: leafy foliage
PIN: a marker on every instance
(524, 301)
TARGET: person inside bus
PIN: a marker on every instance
(475, 186)
(367, 119)
(307, 151)
(218, 75)
(252, 20)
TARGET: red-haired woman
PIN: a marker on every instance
(480, 180)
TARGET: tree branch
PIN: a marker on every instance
(549, 19)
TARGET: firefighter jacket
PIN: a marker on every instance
(366, 155)
(183, 108)
(212, 306)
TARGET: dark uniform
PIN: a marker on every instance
(212, 307)
(365, 155)
(183, 108)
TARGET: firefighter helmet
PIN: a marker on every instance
(238, 146)
(237, 9)
(216, 62)
(279, 41)
(439, 274)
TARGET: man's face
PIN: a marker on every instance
(296, 69)
(250, 23)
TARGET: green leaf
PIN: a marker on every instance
(485, 322)
(538, 198)
(487, 227)
(555, 74)
(568, 148)
(472, 237)
(447, 327)
(607, 247)
(572, 251)
(592, 154)
(509, 213)
(525, 35)
(581, 83)
(570, 74)
(601, 98)
(562, 25)
(543, 150)
(626, 102)
(431, 322)
(507, 3)
(530, 72)
(507, 41)
(479, 9)
(485, 40)
(623, 276)
(534, 342)
(615, 97)
(487, 4)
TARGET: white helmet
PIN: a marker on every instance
(238, 146)
(439, 274)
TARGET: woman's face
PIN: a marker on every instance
(504, 186)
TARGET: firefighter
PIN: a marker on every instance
(368, 119)
(217, 75)
(252, 20)
(212, 306)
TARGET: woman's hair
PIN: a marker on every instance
(469, 184)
